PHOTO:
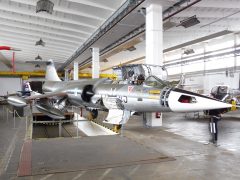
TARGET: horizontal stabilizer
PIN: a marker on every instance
(50, 111)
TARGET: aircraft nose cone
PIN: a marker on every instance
(185, 101)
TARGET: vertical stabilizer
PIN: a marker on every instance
(51, 73)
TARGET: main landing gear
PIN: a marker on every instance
(92, 114)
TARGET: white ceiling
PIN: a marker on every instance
(73, 21)
(214, 16)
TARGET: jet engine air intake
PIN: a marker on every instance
(164, 96)
(87, 93)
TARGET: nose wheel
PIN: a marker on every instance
(117, 128)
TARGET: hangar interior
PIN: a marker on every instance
(124, 89)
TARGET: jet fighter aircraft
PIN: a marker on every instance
(120, 100)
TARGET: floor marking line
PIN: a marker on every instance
(79, 175)
(46, 177)
(134, 170)
(7, 156)
(105, 173)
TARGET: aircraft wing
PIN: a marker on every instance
(41, 96)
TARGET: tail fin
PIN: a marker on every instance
(51, 73)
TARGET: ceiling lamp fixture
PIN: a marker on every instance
(104, 60)
(191, 21)
(38, 58)
(40, 43)
(44, 5)
(142, 11)
(37, 66)
(132, 48)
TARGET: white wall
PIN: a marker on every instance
(220, 79)
(9, 85)
(207, 82)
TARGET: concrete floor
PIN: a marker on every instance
(185, 140)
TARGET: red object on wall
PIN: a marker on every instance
(9, 48)
(5, 48)
(158, 114)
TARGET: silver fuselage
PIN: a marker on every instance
(138, 98)
(119, 96)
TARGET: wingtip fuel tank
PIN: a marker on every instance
(17, 101)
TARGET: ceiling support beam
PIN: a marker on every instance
(41, 30)
(63, 10)
(28, 12)
(23, 33)
(95, 4)
(25, 19)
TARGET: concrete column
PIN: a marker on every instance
(154, 119)
(66, 75)
(154, 48)
(95, 63)
(154, 35)
(75, 71)
(235, 54)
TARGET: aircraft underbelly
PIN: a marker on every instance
(134, 104)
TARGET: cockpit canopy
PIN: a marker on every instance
(138, 73)
(155, 82)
